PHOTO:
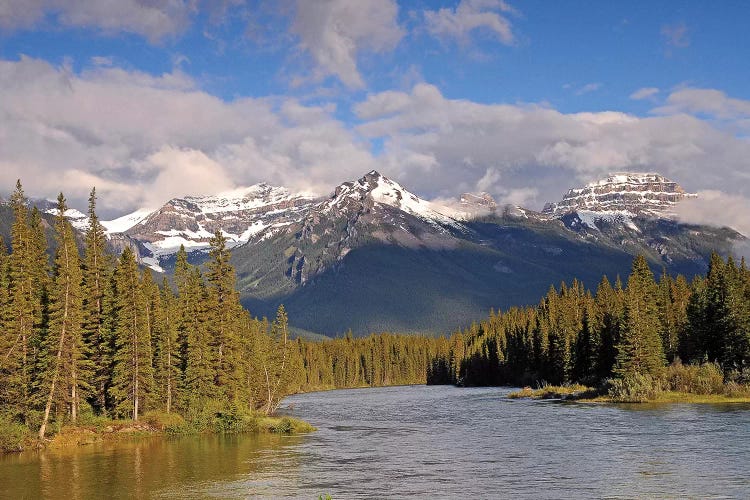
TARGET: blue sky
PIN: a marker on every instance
(522, 99)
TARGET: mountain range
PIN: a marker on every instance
(374, 257)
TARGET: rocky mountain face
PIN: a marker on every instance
(373, 256)
(632, 193)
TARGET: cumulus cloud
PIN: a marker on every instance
(644, 93)
(153, 19)
(468, 16)
(334, 32)
(142, 139)
(535, 147)
(710, 102)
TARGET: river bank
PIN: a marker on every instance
(592, 395)
(17, 438)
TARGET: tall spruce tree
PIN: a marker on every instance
(64, 367)
(640, 348)
(95, 281)
(167, 350)
(132, 377)
(223, 326)
(24, 305)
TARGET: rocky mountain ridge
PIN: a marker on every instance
(648, 194)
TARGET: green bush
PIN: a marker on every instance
(284, 426)
(220, 416)
(707, 378)
(634, 388)
(171, 423)
(12, 435)
(88, 418)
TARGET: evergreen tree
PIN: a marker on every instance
(640, 348)
(132, 378)
(197, 354)
(224, 312)
(24, 304)
(166, 349)
(95, 281)
(65, 367)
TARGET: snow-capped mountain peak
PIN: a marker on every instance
(380, 189)
(242, 214)
(629, 193)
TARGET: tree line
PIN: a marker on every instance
(617, 332)
(377, 360)
(92, 332)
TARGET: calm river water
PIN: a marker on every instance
(421, 442)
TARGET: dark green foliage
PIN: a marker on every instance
(640, 348)
(572, 336)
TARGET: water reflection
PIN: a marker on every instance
(151, 467)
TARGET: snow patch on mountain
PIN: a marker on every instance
(589, 218)
(77, 219)
(122, 224)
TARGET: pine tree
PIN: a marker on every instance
(640, 349)
(166, 349)
(224, 312)
(8, 337)
(65, 367)
(95, 281)
(197, 354)
(275, 361)
(132, 378)
(17, 358)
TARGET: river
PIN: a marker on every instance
(420, 442)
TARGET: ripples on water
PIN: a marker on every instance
(425, 442)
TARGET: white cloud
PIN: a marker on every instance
(710, 102)
(534, 147)
(644, 93)
(717, 208)
(471, 15)
(335, 32)
(142, 139)
(153, 19)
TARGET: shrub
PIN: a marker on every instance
(284, 426)
(171, 423)
(635, 388)
(696, 379)
(526, 392)
(734, 390)
(88, 418)
(12, 435)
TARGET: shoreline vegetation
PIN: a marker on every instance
(678, 383)
(150, 425)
